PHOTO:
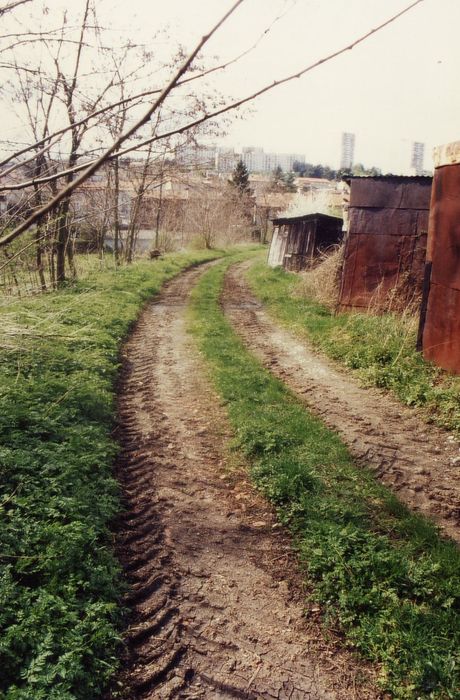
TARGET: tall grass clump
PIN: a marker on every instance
(322, 282)
(378, 347)
(59, 581)
(382, 575)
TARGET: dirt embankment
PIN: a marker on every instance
(211, 616)
(420, 462)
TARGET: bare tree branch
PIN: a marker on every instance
(66, 191)
(222, 110)
(20, 252)
(140, 95)
(12, 6)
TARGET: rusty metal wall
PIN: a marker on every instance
(441, 330)
(386, 242)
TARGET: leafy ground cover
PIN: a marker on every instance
(379, 349)
(382, 574)
(59, 582)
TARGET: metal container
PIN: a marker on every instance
(386, 240)
(439, 333)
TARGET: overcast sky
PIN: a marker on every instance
(398, 87)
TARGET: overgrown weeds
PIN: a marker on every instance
(380, 349)
(322, 283)
(381, 573)
(59, 581)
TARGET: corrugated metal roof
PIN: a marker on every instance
(305, 217)
(389, 178)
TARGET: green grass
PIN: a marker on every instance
(59, 581)
(382, 574)
(379, 349)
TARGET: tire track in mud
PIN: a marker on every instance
(211, 616)
(419, 462)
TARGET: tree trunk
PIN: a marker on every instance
(131, 237)
(70, 249)
(116, 222)
(62, 241)
(39, 234)
(158, 221)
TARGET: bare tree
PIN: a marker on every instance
(125, 140)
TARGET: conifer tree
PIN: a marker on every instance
(240, 178)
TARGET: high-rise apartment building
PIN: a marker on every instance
(418, 154)
(253, 158)
(348, 150)
(226, 160)
(256, 160)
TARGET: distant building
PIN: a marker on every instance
(226, 160)
(348, 151)
(197, 156)
(257, 161)
(418, 154)
(254, 159)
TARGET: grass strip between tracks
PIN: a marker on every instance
(381, 573)
(380, 349)
(59, 581)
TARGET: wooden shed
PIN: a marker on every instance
(385, 244)
(298, 240)
(439, 333)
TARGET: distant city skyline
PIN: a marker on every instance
(220, 158)
(396, 88)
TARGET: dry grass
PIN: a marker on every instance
(403, 298)
(322, 283)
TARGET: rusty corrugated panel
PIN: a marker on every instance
(390, 192)
(441, 333)
(386, 242)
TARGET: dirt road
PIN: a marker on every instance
(420, 463)
(211, 616)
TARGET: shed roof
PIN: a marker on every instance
(306, 217)
(390, 178)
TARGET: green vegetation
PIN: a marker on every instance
(240, 179)
(59, 581)
(381, 573)
(380, 349)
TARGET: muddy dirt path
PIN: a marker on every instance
(211, 616)
(420, 462)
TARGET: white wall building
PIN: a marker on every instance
(256, 160)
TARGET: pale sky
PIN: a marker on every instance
(399, 86)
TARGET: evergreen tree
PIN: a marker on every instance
(277, 180)
(240, 178)
(289, 182)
